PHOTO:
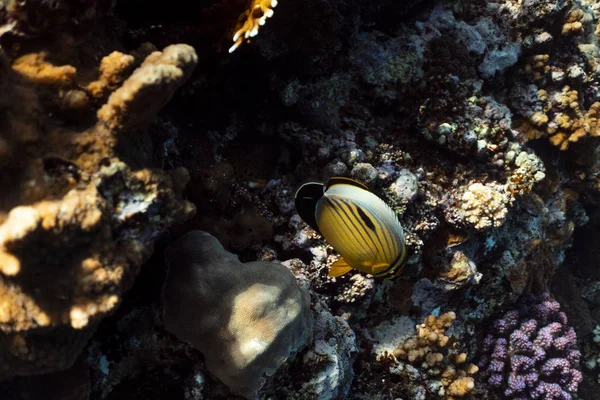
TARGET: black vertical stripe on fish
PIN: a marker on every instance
(350, 231)
(355, 229)
(359, 227)
(366, 219)
(347, 233)
(387, 233)
(386, 229)
(381, 235)
(397, 237)
(341, 203)
(355, 217)
(397, 261)
(390, 234)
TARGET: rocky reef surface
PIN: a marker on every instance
(149, 156)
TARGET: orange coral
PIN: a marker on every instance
(574, 25)
(35, 67)
(69, 197)
(250, 21)
(563, 119)
(430, 336)
(537, 66)
(428, 348)
(114, 68)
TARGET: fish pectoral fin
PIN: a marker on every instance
(339, 268)
(379, 268)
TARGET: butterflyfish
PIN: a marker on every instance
(360, 226)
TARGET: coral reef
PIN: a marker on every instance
(326, 366)
(476, 121)
(532, 352)
(562, 119)
(246, 319)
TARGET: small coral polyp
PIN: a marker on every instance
(532, 353)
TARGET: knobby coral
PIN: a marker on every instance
(428, 350)
(484, 205)
(562, 120)
(531, 352)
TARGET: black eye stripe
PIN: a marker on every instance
(365, 218)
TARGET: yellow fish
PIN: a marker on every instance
(358, 224)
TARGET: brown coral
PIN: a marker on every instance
(76, 221)
(537, 66)
(430, 336)
(563, 121)
(428, 349)
(114, 68)
(149, 88)
(573, 24)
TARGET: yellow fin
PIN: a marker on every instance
(339, 268)
(379, 268)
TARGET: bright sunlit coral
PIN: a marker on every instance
(251, 20)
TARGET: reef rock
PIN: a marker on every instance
(246, 318)
(330, 359)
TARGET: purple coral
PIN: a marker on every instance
(531, 353)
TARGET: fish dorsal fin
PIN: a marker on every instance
(340, 180)
(306, 198)
(339, 268)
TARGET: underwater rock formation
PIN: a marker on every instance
(246, 318)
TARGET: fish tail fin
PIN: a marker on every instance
(339, 268)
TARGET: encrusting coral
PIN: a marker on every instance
(428, 349)
(251, 20)
(573, 24)
(537, 66)
(114, 68)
